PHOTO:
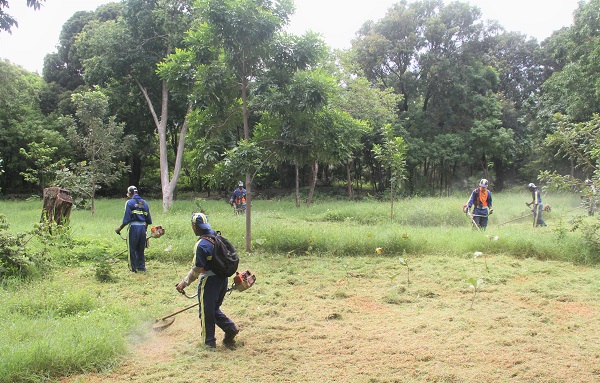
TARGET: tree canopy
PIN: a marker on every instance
(217, 91)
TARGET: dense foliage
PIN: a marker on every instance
(209, 104)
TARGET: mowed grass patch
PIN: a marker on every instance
(357, 319)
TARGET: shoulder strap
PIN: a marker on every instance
(210, 238)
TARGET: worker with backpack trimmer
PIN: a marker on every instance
(213, 282)
(481, 201)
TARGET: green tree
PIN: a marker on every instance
(372, 103)
(42, 164)
(392, 155)
(21, 120)
(99, 140)
(433, 56)
(7, 22)
(127, 50)
(244, 29)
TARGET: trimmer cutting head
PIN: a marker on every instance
(163, 323)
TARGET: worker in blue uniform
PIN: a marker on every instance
(211, 288)
(481, 201)
(137, 217)
(536, 201)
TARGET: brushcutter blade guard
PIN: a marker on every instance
(168, 320)
(163, 323)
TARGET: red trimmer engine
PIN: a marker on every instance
(243, 281)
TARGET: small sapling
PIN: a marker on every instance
(474, 285)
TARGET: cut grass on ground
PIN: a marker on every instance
(327, 319)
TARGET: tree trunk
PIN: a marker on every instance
(57, 205)
(297, 185)
(500, 175)
(136, 170)
(313, 183)
(93, 193)
(248, 213)
(167, 185)
(392, 202)
(248, 179)
(349, 180)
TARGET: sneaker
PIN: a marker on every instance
(210, 345)
(229, 339)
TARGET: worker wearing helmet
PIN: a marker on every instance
(239, 196)
(137, 216)
(481, 201)
(588, 196)
(211, 289)
(536, 201)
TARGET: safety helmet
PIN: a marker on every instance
(201, 221)
(531, 186)
(240, 184)
(483, 183)
(132, 190)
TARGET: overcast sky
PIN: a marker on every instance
(337, 20)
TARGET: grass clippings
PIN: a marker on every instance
(326, 319)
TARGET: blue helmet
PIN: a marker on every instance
(201, 221)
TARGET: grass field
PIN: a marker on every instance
(326, 307)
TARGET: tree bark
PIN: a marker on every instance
(297, 185)
(245, 77)
(313, 183)
(57, 205)
(168, 184)
(349, 180)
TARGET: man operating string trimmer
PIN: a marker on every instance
(481, 200)
(211, 289)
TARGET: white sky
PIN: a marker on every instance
(337, 20)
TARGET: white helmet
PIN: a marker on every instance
(483, 183)
(531, 186)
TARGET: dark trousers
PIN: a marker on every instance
(137, 245)
(211, 291)
(480, 216)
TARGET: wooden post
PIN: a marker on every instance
(57, 205)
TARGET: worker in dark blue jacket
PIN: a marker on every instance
(211, 289)
(536, 201)
(137, 216)
(238, 198)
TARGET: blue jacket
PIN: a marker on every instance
(536, 196)
(204, 251)
(474, 200)
(136, 209)
(238, 195)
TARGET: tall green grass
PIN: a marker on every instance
(52, 328)
(76, 323)
(418, 226)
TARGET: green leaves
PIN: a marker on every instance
(100, 141)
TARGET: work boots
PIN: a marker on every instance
(229, 339)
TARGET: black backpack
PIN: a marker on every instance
(224, 260)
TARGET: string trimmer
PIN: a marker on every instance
(155, 232)
(241, 282)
